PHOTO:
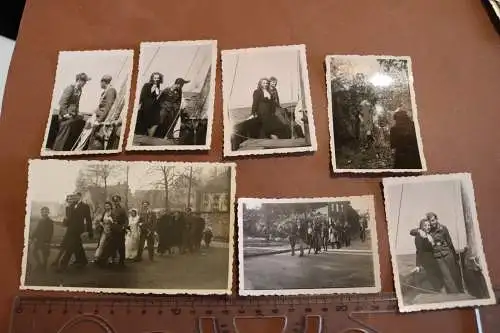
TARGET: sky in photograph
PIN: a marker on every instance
(116, 63)
(52, 181)
(173, 61)
(440, 197)
(242, 72)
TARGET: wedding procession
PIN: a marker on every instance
(90, 95)
(122, 228)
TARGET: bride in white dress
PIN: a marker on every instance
(132, 237)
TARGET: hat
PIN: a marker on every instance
(106, 78)
(116, 197)
(181, 81)
(83, 77)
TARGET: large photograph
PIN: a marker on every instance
(89, 103)
(129, 227)
(175, 96)
(436, 247)
(373, 115)
(267, 103)
(307, 246)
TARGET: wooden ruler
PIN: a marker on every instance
(214, 314)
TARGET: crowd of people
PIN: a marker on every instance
(317, 233)
(160, 109)
(358, 124)
(122, 236)
(268, 119)
(69, 130)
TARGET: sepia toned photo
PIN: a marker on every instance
(373, 115)
(89, 103)
(129, 227)
(267, 103)
(435, 243)
(175, 96)
(307, 246)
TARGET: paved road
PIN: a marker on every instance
(207, 269)
(334, 269)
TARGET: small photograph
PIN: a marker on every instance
(89, 103)
(175, 96)
(129, 227)
(307, 246)
(435, 243)
(373, 115)
(267, 103)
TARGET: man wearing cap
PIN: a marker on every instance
(70, 98)
(101, 133)
(170, 104)
(108, 97)
(66, 127)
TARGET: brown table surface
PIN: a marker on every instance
(456, 65)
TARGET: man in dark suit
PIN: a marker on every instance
(120, 223)
(147, 225)
(79, 221)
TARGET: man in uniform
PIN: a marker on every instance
(147, 225)
(188, 224)
(197, 231)
(118, 231)
(445, 255)
(170, 101)
(303, 228)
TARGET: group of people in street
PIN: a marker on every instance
(318, 233)
(159, 108)
(360, 125)
(268, 119)
(122, 237)
(70, 130)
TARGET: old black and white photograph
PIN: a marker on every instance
(435, 243)
(89, 103)
(307, 246)
(129, 227)
(267, 103)
(373, 115)
(175, 96)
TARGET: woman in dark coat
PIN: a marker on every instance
(425, 261)
(403, 140)
(149, 111)
(264, 108)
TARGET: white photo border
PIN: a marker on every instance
(211, 100)
(227, 126)
(328, 77)
(52, 153)
(466, 180)
(27, 221)
(242, 291)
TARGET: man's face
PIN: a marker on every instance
(273, 83)
(104, 84)
(433, 221)
(44, 213)
(80, 83)
(145, 206)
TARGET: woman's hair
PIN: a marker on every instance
(156, 73)
(133, 210)
(431, 214)
(422, 222)
(108, 203)
(272, 78)
(259, 84)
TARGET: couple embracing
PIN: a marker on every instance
(436, 256)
